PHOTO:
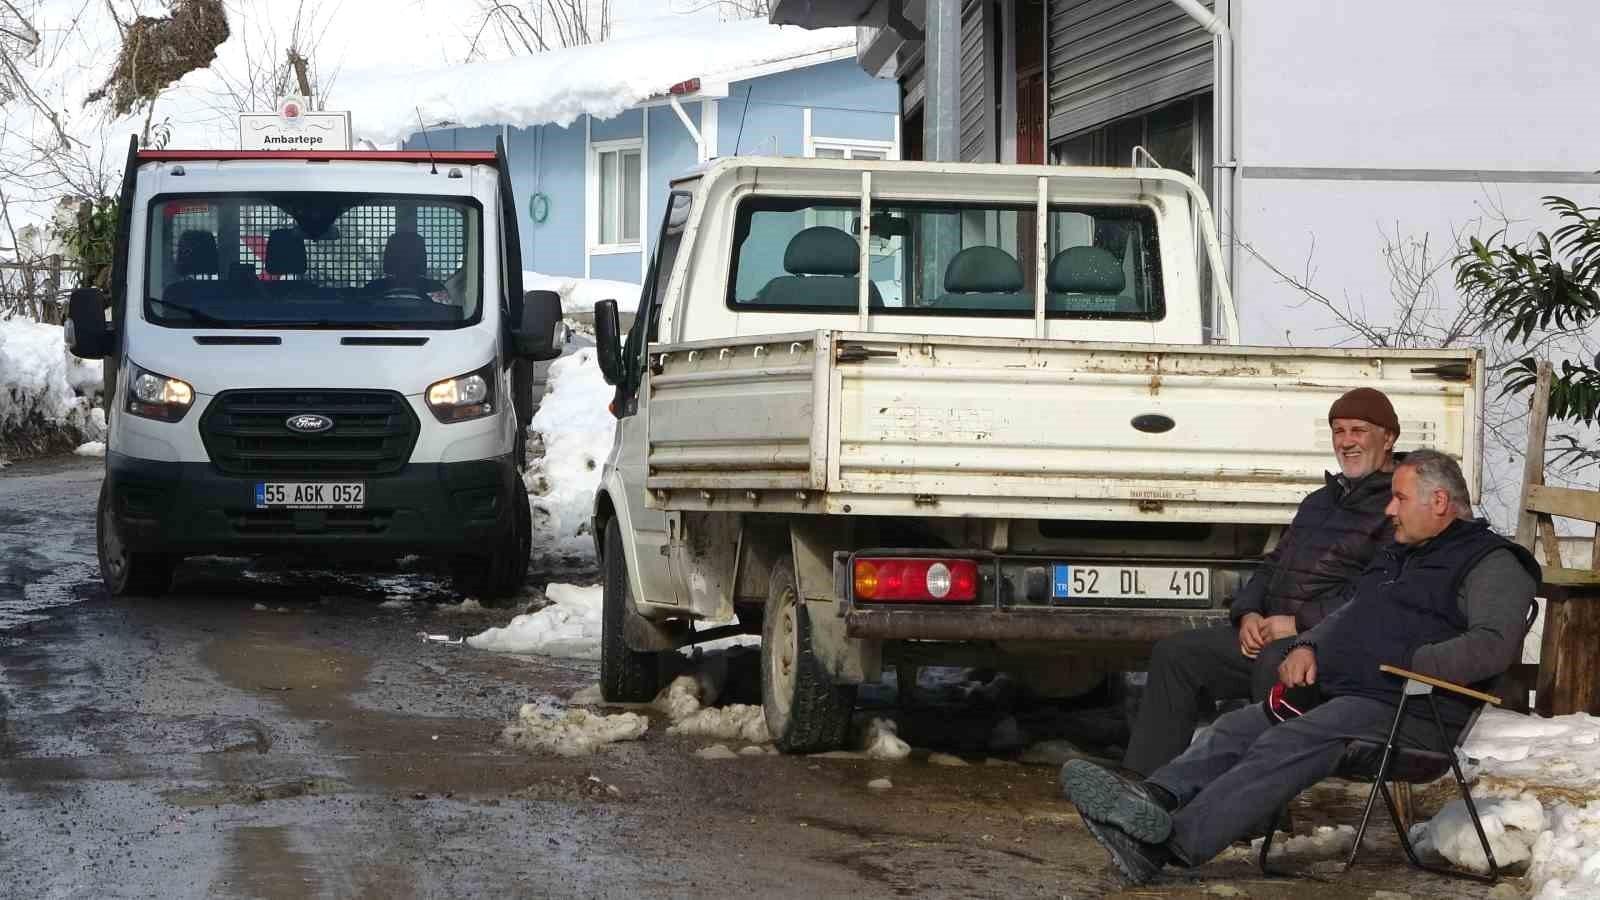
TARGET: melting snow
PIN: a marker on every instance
(569, 627)
(572, 732)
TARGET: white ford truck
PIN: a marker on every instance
(1009, 444)
(315, 351)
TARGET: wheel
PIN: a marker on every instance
(504, 572)
(626, 676)
(126, 573)
(806, 712)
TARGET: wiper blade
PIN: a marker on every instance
(199, 315)
(325, 323)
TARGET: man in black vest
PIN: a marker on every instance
(1307, 576)
(1448, 598)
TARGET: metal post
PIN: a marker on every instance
(941, 60)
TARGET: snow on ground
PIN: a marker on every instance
(570, 732)
(41, 383)
(1537, 788)
(575, 422)
(557, 87)
(91, 448)
(579, 295)
(569, 627)
(689, 703)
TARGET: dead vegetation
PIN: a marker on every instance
(158, 51)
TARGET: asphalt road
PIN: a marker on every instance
(197, 746)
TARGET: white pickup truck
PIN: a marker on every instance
(1011, 444)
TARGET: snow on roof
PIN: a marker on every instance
(556, 87)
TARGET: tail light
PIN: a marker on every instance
(898, 579)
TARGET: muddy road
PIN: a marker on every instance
(271, 730)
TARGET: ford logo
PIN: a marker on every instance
(308, 423)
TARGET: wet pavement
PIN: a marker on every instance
(269, 730)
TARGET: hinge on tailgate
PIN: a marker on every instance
(1454, 371)
(854, 353)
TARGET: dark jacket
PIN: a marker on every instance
(1335, 533)
(1410, 598)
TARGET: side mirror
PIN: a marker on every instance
(87, 334)
(608, 340)
(541, 332)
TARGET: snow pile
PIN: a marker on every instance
(577, 427)
(1537, 788)
(569, 627)
(92, 448)
(688, 702)
(1511, 824)
(556, 87)
(41, 384)
(573, 732)
(579, 295)
(880, 740)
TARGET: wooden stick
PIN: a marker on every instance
(1533, 463)
(1440, 683)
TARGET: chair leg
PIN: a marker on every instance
(1266, 842)
(1377, 782)
(1466, 795)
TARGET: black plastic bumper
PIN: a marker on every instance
(191, 508)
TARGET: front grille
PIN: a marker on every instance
(257, 522)
(372, 434)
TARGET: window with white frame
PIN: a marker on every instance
(846, 148)
(616, 178)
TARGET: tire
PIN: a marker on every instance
(126, 573)
(503, 573)
(806, 712)
(626, 676)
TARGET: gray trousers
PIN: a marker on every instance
(1237, 776)
(1187, 669)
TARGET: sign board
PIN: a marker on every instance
(295, 126)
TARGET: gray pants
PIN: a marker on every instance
(1237, 776)
(1186, 670)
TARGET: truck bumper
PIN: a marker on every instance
(1058, 624)
(424, 508)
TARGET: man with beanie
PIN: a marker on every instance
(1335, 532)
(1448, 598)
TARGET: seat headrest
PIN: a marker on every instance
(822, 250)
(286, 252)
(1084, 270)
(405, 255)
(197, 253)
(982, 270)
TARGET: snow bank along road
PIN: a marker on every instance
(279, 729)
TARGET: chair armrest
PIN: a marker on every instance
(1440, 683)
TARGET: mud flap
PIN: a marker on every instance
(848, 660)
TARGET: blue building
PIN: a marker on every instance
(592, 192)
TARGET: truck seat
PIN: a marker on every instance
(405, 266)
(196, 265)
(1088, 279)
(822, 263)
(984, 278)
(286, 259)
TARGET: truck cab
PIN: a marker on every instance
(315, 351)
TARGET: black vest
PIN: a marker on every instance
(1335, 533)
(1406, 598)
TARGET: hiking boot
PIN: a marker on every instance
(1103, 796)
(1139, 863)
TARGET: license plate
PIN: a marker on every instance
(310, 495)
(1073, 582)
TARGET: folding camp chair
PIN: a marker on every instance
(1387, 762)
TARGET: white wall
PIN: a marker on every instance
(1362, 120)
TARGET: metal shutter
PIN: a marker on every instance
(1112, 58)
(977, 86)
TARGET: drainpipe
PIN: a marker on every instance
(1223, 163)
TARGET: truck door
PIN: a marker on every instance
(651, 527)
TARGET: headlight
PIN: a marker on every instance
(160, 397)
(469, 396)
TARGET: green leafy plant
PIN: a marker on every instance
(90, 239)
(1538, 291)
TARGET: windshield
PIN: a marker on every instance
(802, 255)
(313, 260)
